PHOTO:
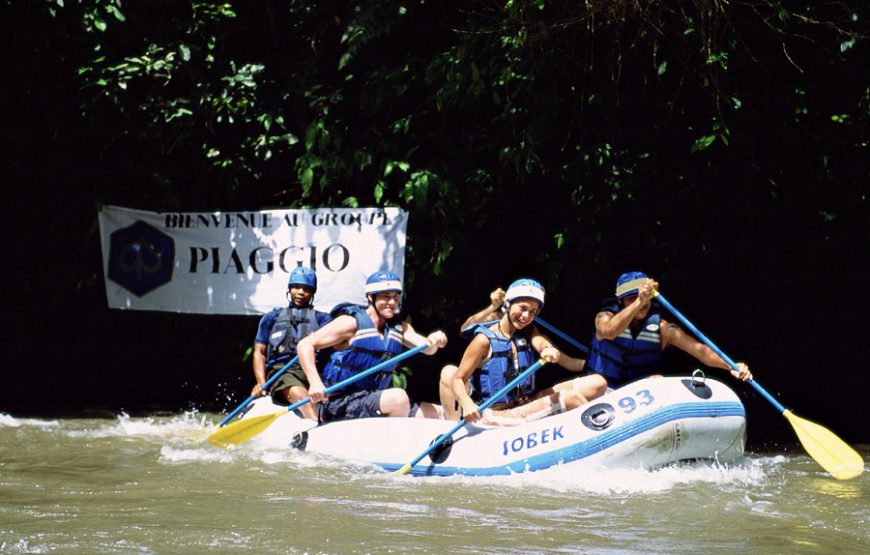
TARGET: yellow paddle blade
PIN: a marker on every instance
(404, 470)
(831, 452)
(241, 431)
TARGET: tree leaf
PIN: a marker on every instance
(702, 143)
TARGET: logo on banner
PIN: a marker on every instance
(141, 258)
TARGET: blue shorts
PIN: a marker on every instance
(359, 404)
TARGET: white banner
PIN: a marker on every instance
(239, 262)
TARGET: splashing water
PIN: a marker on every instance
(154, 484)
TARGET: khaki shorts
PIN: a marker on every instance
(293, 376)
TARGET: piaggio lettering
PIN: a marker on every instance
(261, 260)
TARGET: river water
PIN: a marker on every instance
(155, 485)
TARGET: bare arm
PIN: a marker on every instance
(542, 343)
(474, 355)
(672, 334)
(412, 338)
(491, 312)
(544, 346)
(259, 359)
(336, 332)
(609, 325)
(571, 364)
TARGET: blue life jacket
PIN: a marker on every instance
(501, 366)
(628, 357)
(289, 328)
(366, 349)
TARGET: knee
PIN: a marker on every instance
(447, 374)
(572, 399)
(600, 384)
(295, 393)
(397, 395)
(395, 401)
(592, 386)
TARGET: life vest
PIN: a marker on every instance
(289, 328)
(628, 357)
(501, 366)
(367, 348)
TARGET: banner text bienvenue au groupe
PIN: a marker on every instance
(239, 262)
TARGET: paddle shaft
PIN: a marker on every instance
(482, 407)
(376, 368)
(265, 387)
(564, 336)
(832, 453)
(661, 298)
(241, 431)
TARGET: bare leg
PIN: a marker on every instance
(537, 409)
(297, 393)
(587, 387)
(445, 392)
(560, 398)
(395, 402)
(429, 410)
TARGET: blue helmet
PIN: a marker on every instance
(525, 288)
(382, 281)
(628, 283)
(302, 275)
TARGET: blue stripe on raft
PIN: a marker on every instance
(591, 446)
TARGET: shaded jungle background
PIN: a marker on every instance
(721, 147)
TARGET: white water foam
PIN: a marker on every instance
(183, 439)
(7, 421)
(752, 471)
(199, 450)
(185, 425)
(172, 454)
(600, 480)
(22, 546)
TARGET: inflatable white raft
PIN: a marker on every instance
(648, 423)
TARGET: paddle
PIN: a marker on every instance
(564, 336)
(265, 387)
(485, 405)
(831, 452)
(243, 430)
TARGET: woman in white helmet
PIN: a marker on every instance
(499, 351)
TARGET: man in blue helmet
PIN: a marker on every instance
(630, 336)
(500, 350)
(278, 335)
(364, 336)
